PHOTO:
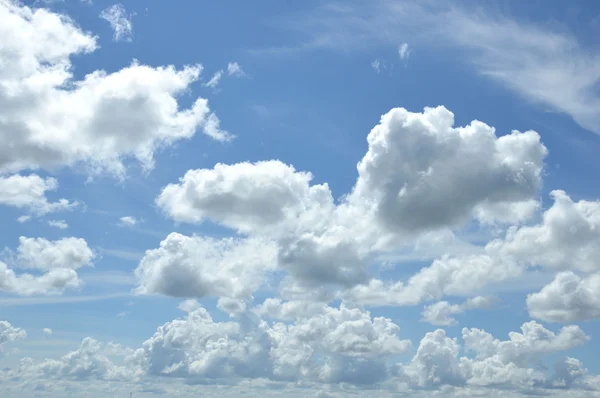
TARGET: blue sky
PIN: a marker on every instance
(399, 217)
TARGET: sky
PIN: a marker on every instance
(300, 199)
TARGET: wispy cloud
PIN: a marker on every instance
(215, 79)
(234, 69)
(60, 224)
(120, 22)
(404, 51)
(21, 301)
(544, 65)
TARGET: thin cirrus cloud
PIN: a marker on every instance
(545, 66)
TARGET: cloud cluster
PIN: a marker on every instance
(49, 120)
(53, 265)
(331, 345)
(10, 333)
(420, 175)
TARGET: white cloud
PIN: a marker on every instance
(567, 238)
(189, 305)
(440, 313)
(234, 69)
(60, 224)
(119, 21)
(55, 281)
(215, 79)
(568, 298)
(23, 219)
(418, 177)
(194, 266)
(54, 264)
(100, 120)
(10, 333)
(42, 254)
(89, 361)
(29, 193)
(435, 363)
(419, 172)
(446, 276)
(249, 197)
(504, 363)
(378, 65)
(404, 51)
(47, 331)
(338, 345)
(127, 221)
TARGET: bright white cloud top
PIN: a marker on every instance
(357, 238)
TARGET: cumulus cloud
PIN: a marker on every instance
(568, 237)
(419, 171)
(54, 265)
(52, 282)
(194, 266)
(100, 120)
(47, 331)
(249, 197)
(568, 298)
(340, 344)
(440, 313)
(89, 361)
(29, 193)
(505, 363)
(10, 333)
(119, 21)
(418, 177)
(42, 254)
(127, 221)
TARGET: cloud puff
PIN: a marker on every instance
(421, 173)
(568, 298)
(100, 120)
(194, 266)
(127, 221)
(10, 333)
(29, 193)
(54, 264)
(42, 254)
(495, 363)
(248, 197)
(440, 313)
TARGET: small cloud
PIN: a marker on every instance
(380, 65)
(214, 81)
(234, 69)
(404, 51)
(47, 331)
(376, 65)
(189, 305)
(122, 314)
(119, 21)
(23, 219)
(127, 221)
(60, 224)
